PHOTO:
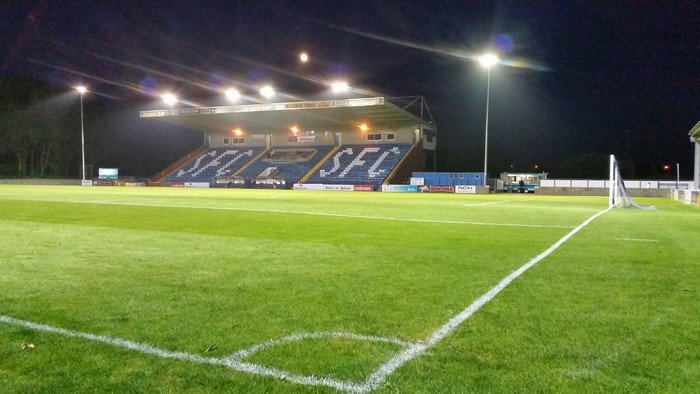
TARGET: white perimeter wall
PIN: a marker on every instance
(631, 184)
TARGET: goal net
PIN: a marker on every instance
(618, 192)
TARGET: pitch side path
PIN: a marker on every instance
(147, 289)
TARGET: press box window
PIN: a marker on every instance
(390, 136)
(374, 137)
(238, 141)
(226, 141)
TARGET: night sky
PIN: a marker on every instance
(578, 77)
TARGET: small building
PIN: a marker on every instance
(510, 181)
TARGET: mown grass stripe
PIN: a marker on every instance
(341, 215)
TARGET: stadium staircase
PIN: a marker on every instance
(285, 163)
(249, 162)
(412, 161)
(360, 164)
(181, 162)
(319, 164)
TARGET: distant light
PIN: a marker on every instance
(536, 166)
(488, 60)
(340, 86)
(233, 94)
(169, 99)
(82, 89)
(237, 132)
(667, 167)
(303, 57)
(294, 129)
(267, 91)
(363, 127)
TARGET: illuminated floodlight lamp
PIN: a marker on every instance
(232, 94)
(294, 129)
(237, 132)
(363, 127)
(303, 57)
(82, 89)
(267, 91)
(169, 99)
(488, 60)
(340, 87)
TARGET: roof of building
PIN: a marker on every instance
(695, 132)
(332, 115)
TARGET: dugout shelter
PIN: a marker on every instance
(354, 141)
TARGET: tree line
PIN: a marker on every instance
(40, 133)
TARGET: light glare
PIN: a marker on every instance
(488, 60)
(82, 89)
(233, 94)
(169, 99)
(303, 57)
(340, 87)
(267, 91)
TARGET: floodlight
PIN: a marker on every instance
(303, 57)
(363, 127)
(169, 99)
(237, 131)
(82, 89)
(294, 129)
(488, 60)
(267, 91)
(340, 86)
(232, 94)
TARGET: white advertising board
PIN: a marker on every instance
(308, 186)
(197, 184)
(465, 189)
(342, 188)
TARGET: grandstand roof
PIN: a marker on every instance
(307, 115)
(695, 132)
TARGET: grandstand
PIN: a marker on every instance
(366, 141)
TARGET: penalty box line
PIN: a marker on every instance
(401, 358)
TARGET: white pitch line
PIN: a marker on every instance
(378, 377)
(242, 354)
(322, 214)
(636, 239)
(226, 362)
(485, 203)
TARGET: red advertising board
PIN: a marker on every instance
(442, 189)
(363, 188)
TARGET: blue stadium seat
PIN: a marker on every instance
(212, 163)
(288, 163)
(360, 164)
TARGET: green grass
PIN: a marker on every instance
(211, 272)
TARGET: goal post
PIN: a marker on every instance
(618, 195)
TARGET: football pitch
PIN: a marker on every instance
(201, 290)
